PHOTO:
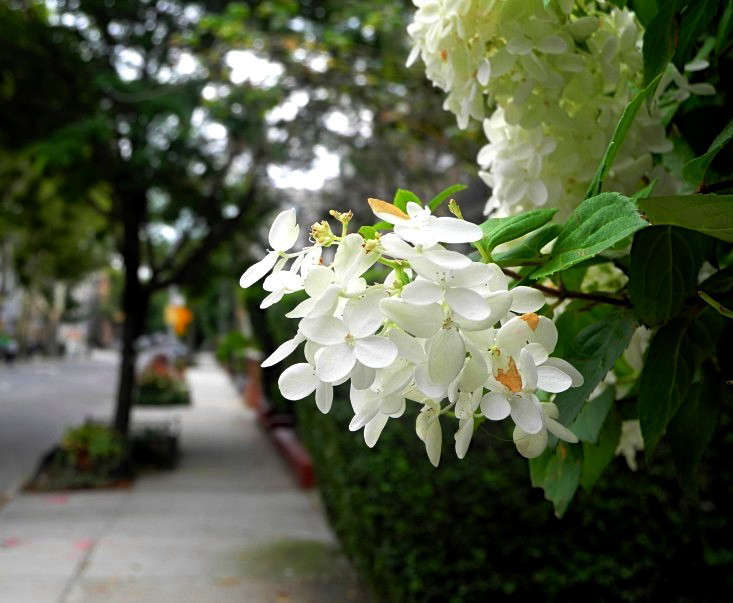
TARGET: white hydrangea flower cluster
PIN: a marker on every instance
(442, 331)
(556, 80)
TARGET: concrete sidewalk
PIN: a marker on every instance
(227, 525)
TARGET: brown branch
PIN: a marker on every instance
(563, 294)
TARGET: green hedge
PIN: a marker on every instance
(475, 530)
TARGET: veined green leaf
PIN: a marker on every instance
(445, 194)
(500, 230)
(368, 232)
(595, 225)
(596, 457)
(562, 475)
(663, 273)
(710, 214)
(618, 137)
(593, 350)
(589, 421)
(694, 171)
(660, 40)
(529, 249)
(402, 197)
(664, 381)
(700, 408)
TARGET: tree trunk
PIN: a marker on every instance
(135, 299)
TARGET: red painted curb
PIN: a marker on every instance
(297, 456)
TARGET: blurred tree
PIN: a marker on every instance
(172, 121)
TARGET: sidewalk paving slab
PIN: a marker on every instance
(229, 524)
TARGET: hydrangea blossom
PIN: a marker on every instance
(549, 83)
(440, 331)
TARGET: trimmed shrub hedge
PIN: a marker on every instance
(475, 530)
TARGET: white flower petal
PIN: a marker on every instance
(362, 316)
(324, 397)
(256, 271)
(526, 299)
(392, 405)
(421, 292)
(395, 247)
(351, 260)
(545, 334)
(446, 357)
(450, 260)
(325, 330)
(463, 437)
(362, 376)
(318, 280)
(367, 411)
(495, 406)
(538, 352)
(297, 381)
(284, 231)
(421, 321)
(530, 445)
(561, 431)
(434, 442)
(272, 299)
(526, 414)
(513, 336)
(408, 347)
(527, 370)
(453, 230)
(467, 303)
(375, 351)
(373, 429)
(552, 379)
(283, 351)
(566, 367)
(427, 386)
(334, 362)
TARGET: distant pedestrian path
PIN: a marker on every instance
(227, 525)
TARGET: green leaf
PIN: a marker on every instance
(659, 41)
(710, 214)
(402, 197)
(695, 21)
(644, 192)
(562, 475)
(500, 230)
(593, 351)
(368, 232)
(445, 194)
(645, 10)
(382, 225)
(664, 381)
(663, 273)
(725, 26)
(590, 419)
(694, 171)
(691, 430)
(596, 457)
(527, 250)
(595, 225)
(538, 468)
(618, 137)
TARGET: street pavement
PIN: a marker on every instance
(228, 524)
(39, 399)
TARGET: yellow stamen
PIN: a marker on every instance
(378, 206)
(510, 378)
(531, 319)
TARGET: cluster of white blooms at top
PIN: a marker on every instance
(556, 80)
(442, 331)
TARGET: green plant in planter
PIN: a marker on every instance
(92, 446)
(161, 389)
(232, 349)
